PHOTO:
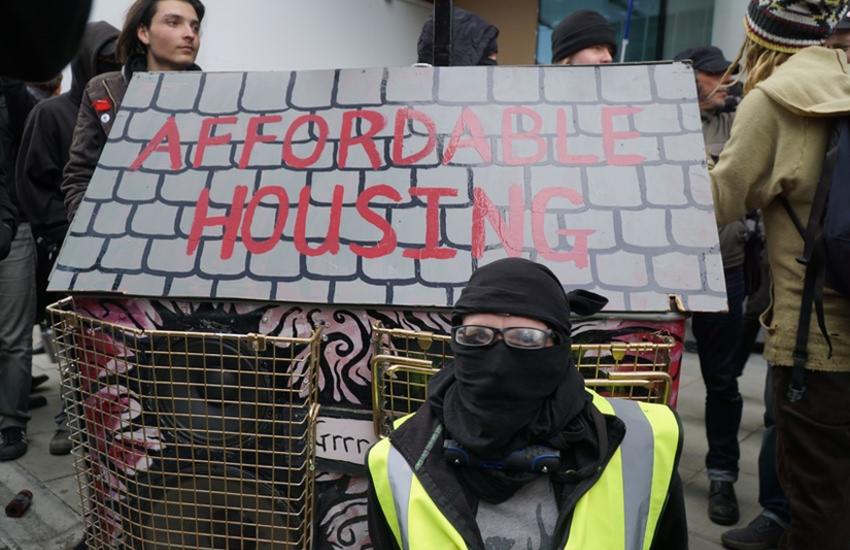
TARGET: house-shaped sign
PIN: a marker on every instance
(390, 186)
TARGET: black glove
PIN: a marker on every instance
(6, 236)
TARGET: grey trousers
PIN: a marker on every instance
(17, 315)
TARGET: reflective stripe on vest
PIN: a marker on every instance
(629, 494)
(633, 488)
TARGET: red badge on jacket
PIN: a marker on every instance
(102, 105)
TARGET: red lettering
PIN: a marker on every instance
(347, 139)
(564, 157)
(331, 240)
(262, 246)
(432, 224)
(511, 234)
(477, 140)
(289, 157)
(610, 137)
(388, 242)
(253, 136)
(167, 140)
(401, 118)
(205, 137)
(509, 136)
(229, 221)
(578, 253)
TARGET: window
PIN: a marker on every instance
(659, 28)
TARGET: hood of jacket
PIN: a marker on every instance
(473, 39)
(99, 41)
(813, 82)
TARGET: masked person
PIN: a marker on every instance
(511, 451)
(584, 38)
(158, 35)
(473, 40)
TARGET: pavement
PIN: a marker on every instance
(53, 521)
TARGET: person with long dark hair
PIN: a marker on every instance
(158, 35)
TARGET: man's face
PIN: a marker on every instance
(711, 96)
(840, 40)
(503, 321)
(173, 37)
(599, 54)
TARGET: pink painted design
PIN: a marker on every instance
(129, 450)
(135, 312)
(110, 409)
(102, 355)
(346, 526)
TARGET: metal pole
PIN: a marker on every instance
(442, 33)
(662, 29)
(627, 27)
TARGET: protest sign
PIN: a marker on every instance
(390, 186)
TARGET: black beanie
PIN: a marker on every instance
(581, 30)
(522, 287)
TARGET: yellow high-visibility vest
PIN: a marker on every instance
(620, 512)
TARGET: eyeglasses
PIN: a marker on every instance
(515, 337)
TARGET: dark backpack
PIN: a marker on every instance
(826, 252)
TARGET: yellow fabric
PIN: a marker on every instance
(590, 529)
(429, 528)
(377, 462)
(665, 431)
(777, 146)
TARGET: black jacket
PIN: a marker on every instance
(8, 216)
(47, 137)
(459, 504)
(15, 105)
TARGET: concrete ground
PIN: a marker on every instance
(53, 521)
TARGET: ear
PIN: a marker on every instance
(143, 34)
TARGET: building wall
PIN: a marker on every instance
(727, 32)
(249, 35)
(517, 23)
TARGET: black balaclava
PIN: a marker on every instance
(473, 40)
(497, 399)
(581, 30)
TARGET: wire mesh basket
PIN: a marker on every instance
(189, 439)
(403, 362)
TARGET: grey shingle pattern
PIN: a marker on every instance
(648, 224)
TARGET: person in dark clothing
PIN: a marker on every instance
(46, 138)
(17, 287)
(8, 216)
(719, 363)
(52, 30)
(473, 40)
(42, 156)
(158, 35)
(584, 38)
(511, 451)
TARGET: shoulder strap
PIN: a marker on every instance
(813, 260)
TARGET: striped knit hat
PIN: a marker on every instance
(791, 25)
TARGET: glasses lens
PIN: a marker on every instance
(472, 335)
(523, 337)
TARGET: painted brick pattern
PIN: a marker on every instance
(650, 228)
